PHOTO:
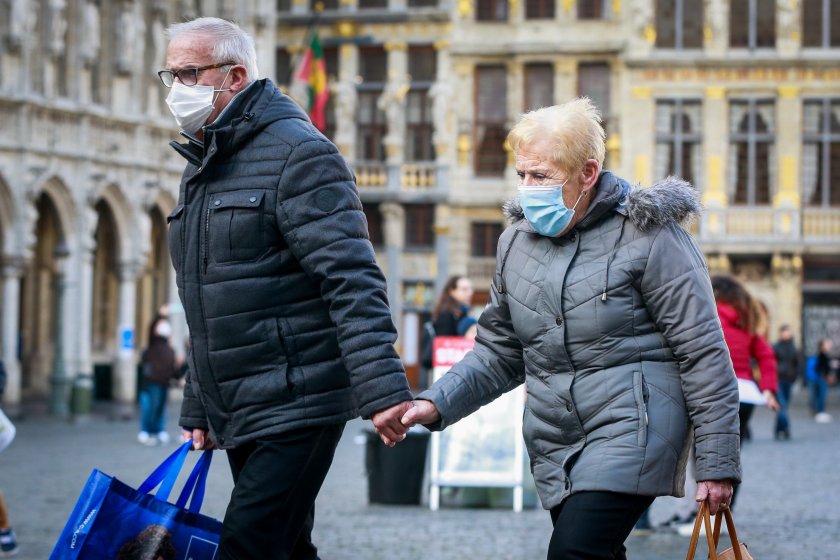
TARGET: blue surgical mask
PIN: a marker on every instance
(545, 209)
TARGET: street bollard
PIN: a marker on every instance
(82, 395)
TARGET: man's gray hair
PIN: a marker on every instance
(230, 42)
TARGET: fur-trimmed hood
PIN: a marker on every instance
(669, 201)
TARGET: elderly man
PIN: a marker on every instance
(289, 322)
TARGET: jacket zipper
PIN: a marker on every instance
(206, 238)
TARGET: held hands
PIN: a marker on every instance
(717, 492)
(392, 423)
(201, 441)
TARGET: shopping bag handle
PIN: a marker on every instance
(166, 474)
(703, 516)
(196, 483)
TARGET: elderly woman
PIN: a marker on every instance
(601, 304)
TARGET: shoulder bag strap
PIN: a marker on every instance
(733, 535)
(703, 517)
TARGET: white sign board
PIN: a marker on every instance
(484, 449)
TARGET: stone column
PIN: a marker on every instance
(393, 215)
(78, 316)
(715, 147)
(392, 101)
(442, 96)
(639, 114)
(716, 30)
(12, 274)
(787, 277)
(442, 229)
(787, 202)
(464, 85)
(515, 104)
(126, 361)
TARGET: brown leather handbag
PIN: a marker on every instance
(738, 550)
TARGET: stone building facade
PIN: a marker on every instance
(740, 97)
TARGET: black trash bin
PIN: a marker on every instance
(395, 474)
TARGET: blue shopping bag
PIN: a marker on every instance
(112, 521)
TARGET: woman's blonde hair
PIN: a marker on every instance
(574, 128)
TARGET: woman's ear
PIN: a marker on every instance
(589, 174)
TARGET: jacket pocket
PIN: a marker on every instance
(235, 226)
(640, 393)
(176, 221)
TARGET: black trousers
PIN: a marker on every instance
(594, 525)
(272, 506)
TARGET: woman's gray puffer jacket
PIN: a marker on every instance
(614, 330)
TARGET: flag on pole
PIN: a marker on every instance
(310, 80)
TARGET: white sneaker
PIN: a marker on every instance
(822, 418)
(163, 438)
(143, 437)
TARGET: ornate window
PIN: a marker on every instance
(370, 119)
(679, 24)
(679, 139)
(539, 9)
(821, 23)
(422, 67)
(419, 226)
(484, 238)
(752, 23)
(539, 85)
(491, 122)
(821, 152)
(593, 9)
(594, 83)
(752, 151)
(491, 10)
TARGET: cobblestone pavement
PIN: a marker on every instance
(787, 507)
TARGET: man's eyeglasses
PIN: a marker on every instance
(187, 76)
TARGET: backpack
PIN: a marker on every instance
(427, 345)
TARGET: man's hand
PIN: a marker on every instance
(718, 493)
(387, 423)
(199, 438)
(423, 412)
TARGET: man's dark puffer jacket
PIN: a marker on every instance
(286, 306)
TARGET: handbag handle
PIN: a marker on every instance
(196, 484)
(703, 516)
(166, 473)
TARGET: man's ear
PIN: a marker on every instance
(238, 79)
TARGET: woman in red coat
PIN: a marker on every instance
(740, 317)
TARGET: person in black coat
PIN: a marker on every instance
(789, 364)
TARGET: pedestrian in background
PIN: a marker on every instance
(452, 306)
(291, 330)
(8, 540)
(160, 367)
(601, 305)
(823, 377)
(788, 365)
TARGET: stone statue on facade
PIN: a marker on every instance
(91, 36)
(441, 94)
(345, 111)
(158, 45)
(23, 19)
(130, 40)
(58, 26)
(392, 103)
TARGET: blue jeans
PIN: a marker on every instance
(153, 408)
(782, 418)
(818, 389)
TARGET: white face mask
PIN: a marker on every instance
(164, 329)
(191, 105)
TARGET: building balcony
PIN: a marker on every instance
(768, 229)
(407, 182)
(480, 270)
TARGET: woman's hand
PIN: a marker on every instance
(772, 402)
(423, 412)
(718, 494)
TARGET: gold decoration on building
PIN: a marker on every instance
(718, 264)
(641, 169)
(442, 44)
(715, 92)
(346, 29)
(649, 34)
(708, 33)
(568, 6)
(715, 194)
(396, 46)
(294, 50)
(513, 6)
(614, 150)
(509, 151)
(641, 92)
(464, 149)
(788, 195)
(616, 8)
(789, 92)
(740, 74)
(346, 2)
(465, 8)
